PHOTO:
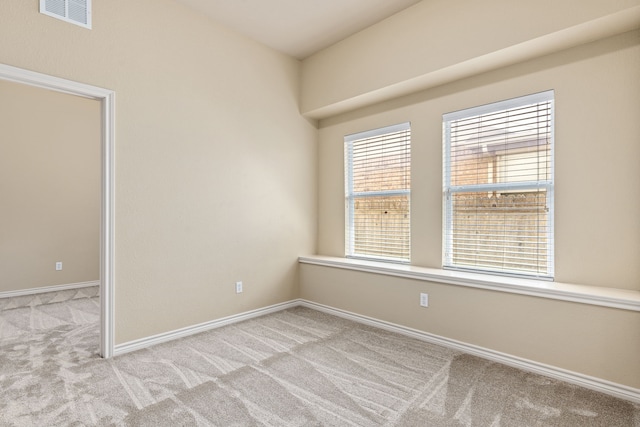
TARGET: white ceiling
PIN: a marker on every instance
(298, 28)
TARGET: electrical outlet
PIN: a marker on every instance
(424, 300)
(238, 287)
(58, 265)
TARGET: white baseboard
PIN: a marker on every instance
(191, 330)
(45, 289)
(603, 386)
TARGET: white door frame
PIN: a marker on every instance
(107, 99)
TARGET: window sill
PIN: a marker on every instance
(593, 295)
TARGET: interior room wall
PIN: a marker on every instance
(439, 41)
(49, 188)
(597, 203)
(215, 169)
(597, 200)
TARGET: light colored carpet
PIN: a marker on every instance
(297, 367)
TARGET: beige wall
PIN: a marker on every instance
(49, 188)
(597, 198)
(439, 41)
(214, 166)
(597, 204)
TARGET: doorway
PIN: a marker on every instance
(106, 244)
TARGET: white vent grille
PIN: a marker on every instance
(74, 11)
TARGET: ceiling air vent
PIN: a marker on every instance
(74, 11)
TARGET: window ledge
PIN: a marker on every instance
(594, 295)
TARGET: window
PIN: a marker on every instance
(498, 187)
(377, 182)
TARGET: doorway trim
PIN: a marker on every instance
(107, 100)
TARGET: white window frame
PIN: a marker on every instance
(351, 196)
(449, 189)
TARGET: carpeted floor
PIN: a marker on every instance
(297, 367)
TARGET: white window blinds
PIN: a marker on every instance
(378, 184)
(498, 187)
